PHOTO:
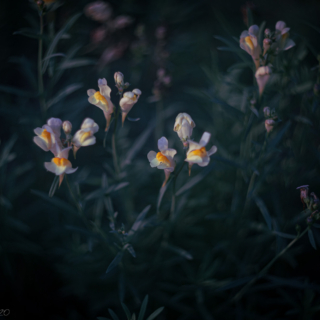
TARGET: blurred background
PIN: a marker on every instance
(185, 57)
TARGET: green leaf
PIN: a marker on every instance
(57, 202)
(113, 315)
(5, 154)
(143, 308)
(265, 213)
(137, 224)
(75, 63)
(64, 93)
(57, 39)
(183, 253)
(231, 111)
(29, 33)
(133, 119)
(126, 311)
(117, 259)
(154, 314)
(284, 235)
(311, 239)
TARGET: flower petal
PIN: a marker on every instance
(40, 143)
(205, 139)
(91, 92)
(163, 144)
(71, 170)
(212, 150)
(169, 152)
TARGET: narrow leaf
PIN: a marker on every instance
(115, 261)
(64, 93)
(54, 186)
(133, 119)
(284, 235)
(143, 308)
(113, 315)
(126, 311)
(311, 239)
(154, 314)
(137, 224)
(183, 253)
(265, 213)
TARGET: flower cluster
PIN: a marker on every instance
(48, 138)
(196, 153)
(102, 99)
(272, 44)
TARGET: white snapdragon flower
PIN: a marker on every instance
(55, 124)
(282, 36)
(102, 100)
(249, 43)
(262, 75)
(184, 126)
(45, 139)
(60, 165)
(197, 152)
(128, 100)
(85, 136)
(163, 159)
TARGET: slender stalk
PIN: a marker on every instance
(173, 201)
(114, 148)
(239, 295)
(40, 79)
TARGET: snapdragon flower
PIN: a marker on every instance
(197, 152)
(128, 100)
(85, 136)
(60, 165)
(283, 41)
(249, 43)
(163, 159)
(102, 100)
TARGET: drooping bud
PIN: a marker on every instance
(267, 33)
(262, 75)
(67, 127)
(304, 190)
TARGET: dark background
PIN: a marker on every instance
(46, 269)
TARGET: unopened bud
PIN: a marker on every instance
(67, 127)
(118, 78)
(304, 190)
(267, 32)
(269, 124)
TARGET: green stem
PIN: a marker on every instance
(40, 79)
(239, 295)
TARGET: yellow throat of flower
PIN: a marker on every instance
(85, 136)
(249, 42)
(199, 152)
(46, 136)
(61, 162)
(161, 158)
(99, 97)
(284, 36)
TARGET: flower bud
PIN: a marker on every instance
(269, 124)
(266, 45)
(184, 126)
(267, 32)
(67, 127)
(119, 79)
(267, 112)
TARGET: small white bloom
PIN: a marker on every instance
(262, 76)
(283, 42)
(45, 139)
(163, 159)
(184, 126)
(249, 43)
(67, 127)
(128, 100)
(197, 152)
(60, 165)
(85, 136)
(102, 100)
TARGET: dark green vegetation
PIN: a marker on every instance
(194, 261)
